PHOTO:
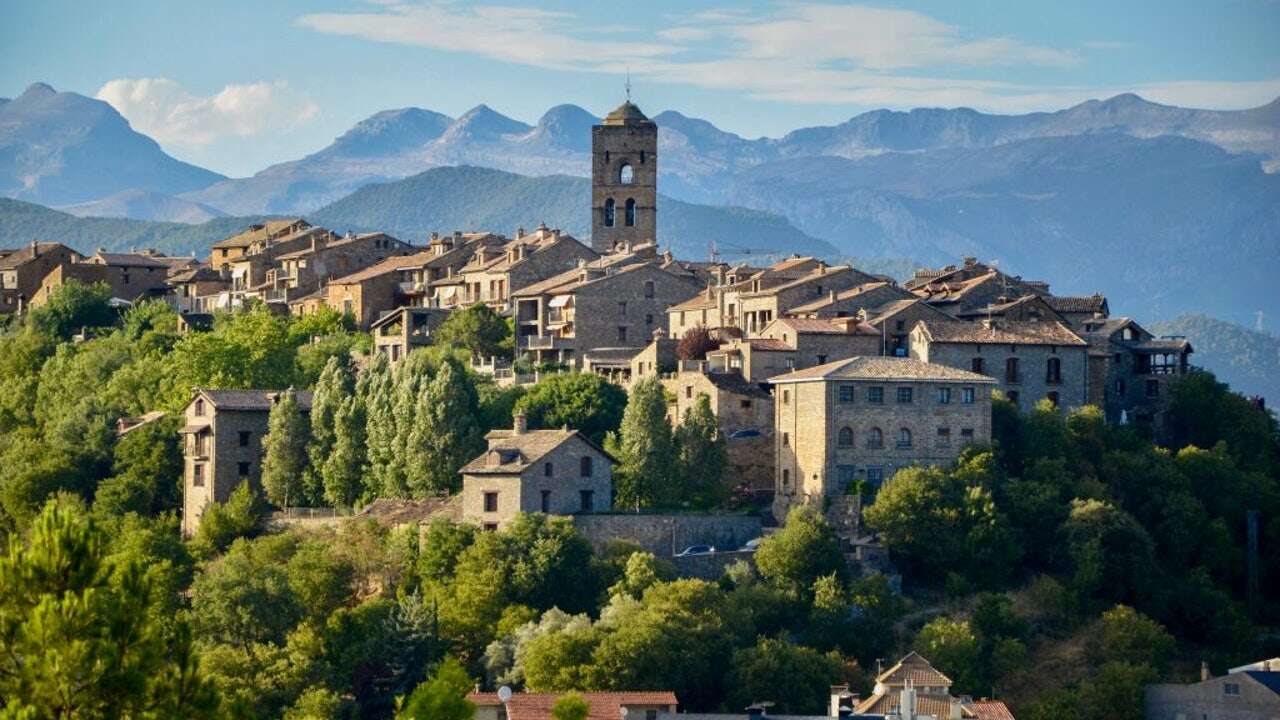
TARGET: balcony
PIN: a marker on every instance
(546, 342)
(413, 288)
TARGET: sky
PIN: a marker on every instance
(236, 85)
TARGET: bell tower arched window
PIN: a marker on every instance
(631, 212)
(626, 175)
(609, 212)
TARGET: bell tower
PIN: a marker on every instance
(624, 179)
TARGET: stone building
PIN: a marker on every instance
(1075, 311)
(590, 307)
(624, 179)
(559, 472)
(255, 270)
(196, 290)
(760, 307)
(957, 290)
(631, 705)
(23, 269)
(912, 689)
(863, 418)
(721, 308)
(744, 416)
(793, 344)
(304, 271)
(852, 301)
(657, 358)
(493, 274)
(130, 276)
(223, 433)
(1249, 692)
(399, 332)
(252, 239)
(1030, 361)
(1131, 371)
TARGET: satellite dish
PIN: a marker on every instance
(504, 693)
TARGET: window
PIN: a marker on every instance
(944, 437)
(1153, 388)
(631, 212)
(1052, 397)
(1230, 688)
(622, 334)
(626, 175)
(875, 439)
(944, 396)
(846, 475)
(1013, 396)
(200, 407)
(243, 468)
(622, 309)
(197, 474)
(587, 500)
(244, 438)
(966, 435)
(904, 395)
(976, 365)
(1120, 387)
(650, 715)
(584, 466)
(609, 212)
(875, 475)
(786, 478)
(649, 289)
(546, 501)
(786, 397)
(875, 395)
(904, 439)
(548, 470)
(745, 404)
(966, 396)
(846, 393)
(490, 527)
(688, 391)
(491, 502)
(845, 437)
(1011, 370)
(822, 360)
(1053, 371)
(648, 319)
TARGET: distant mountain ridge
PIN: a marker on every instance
(145, 205)
(61, 148)
(1245, 358)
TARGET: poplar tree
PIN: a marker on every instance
(446, 433)
(644, 449)
(332, 390)
(376, 389)
(702, 457)
(284, 459)
(343, 469)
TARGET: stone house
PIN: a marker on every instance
(971, 286)
(657, 358)
(895, 320)
(253, 273)
(129, 275)
(559, 472)
(631, 705)
(792, 344)
(493, 274)
(1131, 371)
(399, 332)
(852, 301)
(23, 269)
(744, 415)
(863, 418)
(757, 308)
(367, 294)
(1249, 692)
(721, 308)
(564, 317)
(252, 239)
(912, 689)
(196, 290)
(755, 359)
(307, 270)
(222, 446)
(1030, 361)
(1075, 311)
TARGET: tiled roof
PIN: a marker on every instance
(603, 705)
(828, 326)
(733, 382)
(704, 300)
(1270, 679)
(394, 263)
(197, 274)
(572, 279)
(770, 344)
(334, 244)
(843, 295)
(939, 706)
(251, 399)
(246, 237)
(1163, 345)
(19, 256)
(1090, 303)
(129, 260)
(518, 451)
(1001, 333)
(989, 710)
(813, 275)
(866, 367)
(790, 263)
(914, 669)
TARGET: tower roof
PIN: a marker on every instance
(626, 114)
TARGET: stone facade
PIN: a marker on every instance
(400, 331)
(222, 446)
(1030, 361)
(864, 418)
(127, 280)
(252, 239)
(493, 274)
(558, 472)
(1132, 372)
(744, 415)
(757, 308)
(657, 358)
(624, 180)
(304, 271)
(1242, 695)
(665, 535)
(23, 270)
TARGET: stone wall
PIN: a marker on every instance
(710, 567)
(658, 534)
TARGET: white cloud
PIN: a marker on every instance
(166, 111)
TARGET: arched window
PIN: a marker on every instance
(608, 212)
(846, 437)
(631, 212)
(875, 438)
(626, 175)
(1053, 371)
(904, 438)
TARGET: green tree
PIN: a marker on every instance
(343, 469)
(951, 646)
(804, 550)
(316, 703)
(222, 523)
(284, 451)
(74, 306)
(244, 350)
(1126, 635)
(795, 678)
(701, 456)
(75, 641)
(334, 387)
(570, 706)
(644, 449)
(147, 472)
(560, 660)
(478, 329)
(642, 572)
(245, 597)
(444, 434)
(585, 402)
(1115, 692)
(442, 697)
(1110, 552)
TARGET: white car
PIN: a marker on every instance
(751, 545)
(695, 550)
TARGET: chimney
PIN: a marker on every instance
(521, 425)
(1204, 670)
(832, 296)
(519, 232)
(35, 249)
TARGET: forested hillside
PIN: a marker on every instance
(1061, 568)
(1246, 358)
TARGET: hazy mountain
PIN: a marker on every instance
(1246, 359)
(22, 222)
(145, 205)
(1162, 226)
(471, 198)
(61, 148)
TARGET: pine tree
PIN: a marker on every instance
(343, 469)
(332, 390)
(702, 456)
(644, 449)
(284, 451)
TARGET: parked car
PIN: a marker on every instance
(751, 545)
(695, 550)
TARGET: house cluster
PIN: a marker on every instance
(912, 689)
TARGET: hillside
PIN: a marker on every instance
(472, 198)
(60, 148)
(145, 205)
(1246, 359)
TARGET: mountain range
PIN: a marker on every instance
(1167, 210)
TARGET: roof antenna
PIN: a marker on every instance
(628, 84)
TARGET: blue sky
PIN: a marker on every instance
(236, 85)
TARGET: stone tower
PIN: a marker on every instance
(624, 179)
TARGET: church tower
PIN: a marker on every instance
(624, 179)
